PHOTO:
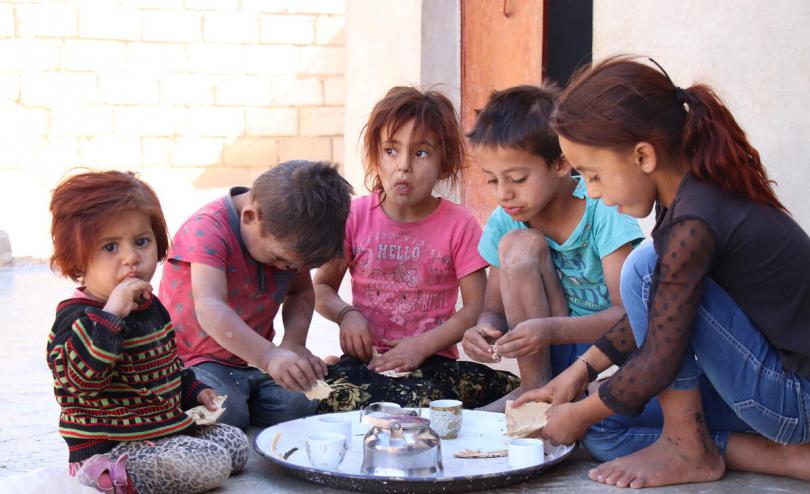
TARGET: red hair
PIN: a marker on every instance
(81, 206)
(432, 112)
(620, 102)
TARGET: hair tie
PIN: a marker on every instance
(681, 95)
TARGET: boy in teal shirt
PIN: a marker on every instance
(555, 254)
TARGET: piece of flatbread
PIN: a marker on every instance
(320, 391)
(391, 372)
(526, 419)
(203, 416)
(477, 453)
(495, 355)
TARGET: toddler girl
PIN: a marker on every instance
(117, 378)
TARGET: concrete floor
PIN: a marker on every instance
(29, 293)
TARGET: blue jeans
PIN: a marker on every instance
(742, 380)
(253, 396)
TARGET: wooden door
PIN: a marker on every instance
(501, 46)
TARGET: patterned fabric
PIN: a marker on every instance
(186, 463)
(578, 260)
(757, 254)
(405, 276)
(117, 379)
(212, 236)
(355, 386)
(761, 259)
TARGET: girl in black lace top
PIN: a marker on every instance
(714, 352)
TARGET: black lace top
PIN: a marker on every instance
(759, 255)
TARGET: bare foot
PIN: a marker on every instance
(669, 461)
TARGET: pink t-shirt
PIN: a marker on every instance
(405, 276)
(255, 291)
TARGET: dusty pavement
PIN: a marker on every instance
(29, 293)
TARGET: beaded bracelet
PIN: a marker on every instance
(343, 313)
(592, 374)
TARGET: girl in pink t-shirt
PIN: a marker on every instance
(408, 252)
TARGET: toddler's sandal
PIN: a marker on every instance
(92, 471)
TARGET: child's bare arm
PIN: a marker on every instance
(355, 333)
(209, 287)
(409, 353)
(491, 323)
(327, 282)
(493, 313)
(296, 312)
(529, 336)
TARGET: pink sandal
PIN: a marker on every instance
(92, 473)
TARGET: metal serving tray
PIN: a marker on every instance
(480, 430)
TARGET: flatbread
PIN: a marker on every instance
(495, 355)
(320, 391)
(477, 453)
(203, 416)
(391, 372)
(527, 419)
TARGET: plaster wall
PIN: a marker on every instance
(394, 43)
(753, 53)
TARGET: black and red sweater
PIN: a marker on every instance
(117, 379)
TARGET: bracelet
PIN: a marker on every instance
(343, 312)
(592, 374)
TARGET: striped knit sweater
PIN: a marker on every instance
(117, 379)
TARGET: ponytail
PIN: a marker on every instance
(619, 102)
(719, 152)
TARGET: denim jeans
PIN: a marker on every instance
(253, 396)
(742, 380)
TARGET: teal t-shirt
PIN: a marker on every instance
(578, 260)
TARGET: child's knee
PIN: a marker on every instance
(236, 442)
(280, 405)
(233, 439)
(196, 467)
(603, 445)
(520, 248)
(639, 265)
(237, 414)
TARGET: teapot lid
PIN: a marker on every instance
(387, 421)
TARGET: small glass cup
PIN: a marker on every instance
(446, 417)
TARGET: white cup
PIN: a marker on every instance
(326, 450)
(336, 423)
(525, 452)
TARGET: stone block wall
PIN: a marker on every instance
(195, 95)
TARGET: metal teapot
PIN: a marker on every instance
(400, 445)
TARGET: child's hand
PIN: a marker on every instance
(126, 296)
(564, 388)
(318, 365)
(355, 336)
(291, 371)
(526, 338)
(564, 426)
(206, 397)
(477, 342)
(405, 355)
